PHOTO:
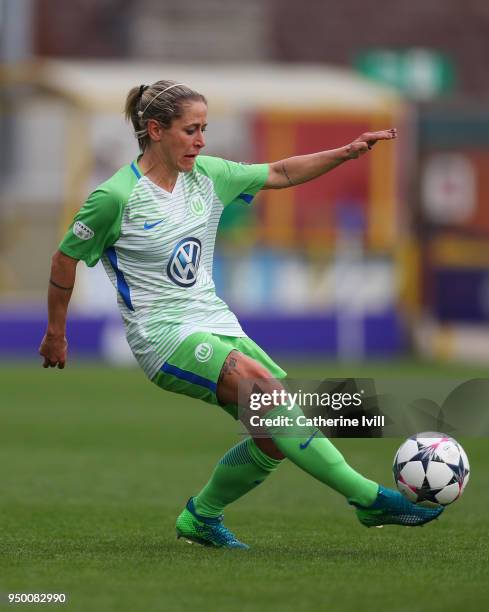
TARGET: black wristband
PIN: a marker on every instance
(59, 286)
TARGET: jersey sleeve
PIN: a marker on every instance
(95, 227)
(233, 182)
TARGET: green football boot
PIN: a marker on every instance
(204, 530)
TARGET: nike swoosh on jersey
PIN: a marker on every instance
(308, 441)
(151, 225)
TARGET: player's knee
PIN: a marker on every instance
(252, 370)
(262, 383)
(268, 446)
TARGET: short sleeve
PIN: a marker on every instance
(95, 227)
(233, 182)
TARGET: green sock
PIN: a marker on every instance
(317, 456)
(241, 469)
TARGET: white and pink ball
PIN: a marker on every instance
(431, 469)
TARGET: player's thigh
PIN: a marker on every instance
(247, 364)
(194, 367)
(242, 375)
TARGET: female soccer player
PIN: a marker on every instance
(153, 225)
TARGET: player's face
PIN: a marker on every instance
(184, 139)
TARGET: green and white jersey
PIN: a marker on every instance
(157, 249)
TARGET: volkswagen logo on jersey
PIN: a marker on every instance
(184, 262)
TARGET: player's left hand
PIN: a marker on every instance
(366, 141)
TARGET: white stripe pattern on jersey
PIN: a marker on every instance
(165, 313)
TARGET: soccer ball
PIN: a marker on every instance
(431, 469)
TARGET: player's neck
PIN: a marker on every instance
(157, 170)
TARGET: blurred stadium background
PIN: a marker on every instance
(385, 257)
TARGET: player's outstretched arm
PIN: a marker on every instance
(303, 168)
(54, 345)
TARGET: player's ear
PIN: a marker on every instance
(154, 130)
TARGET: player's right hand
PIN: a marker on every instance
(54, 350)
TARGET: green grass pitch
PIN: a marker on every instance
(97, 463)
